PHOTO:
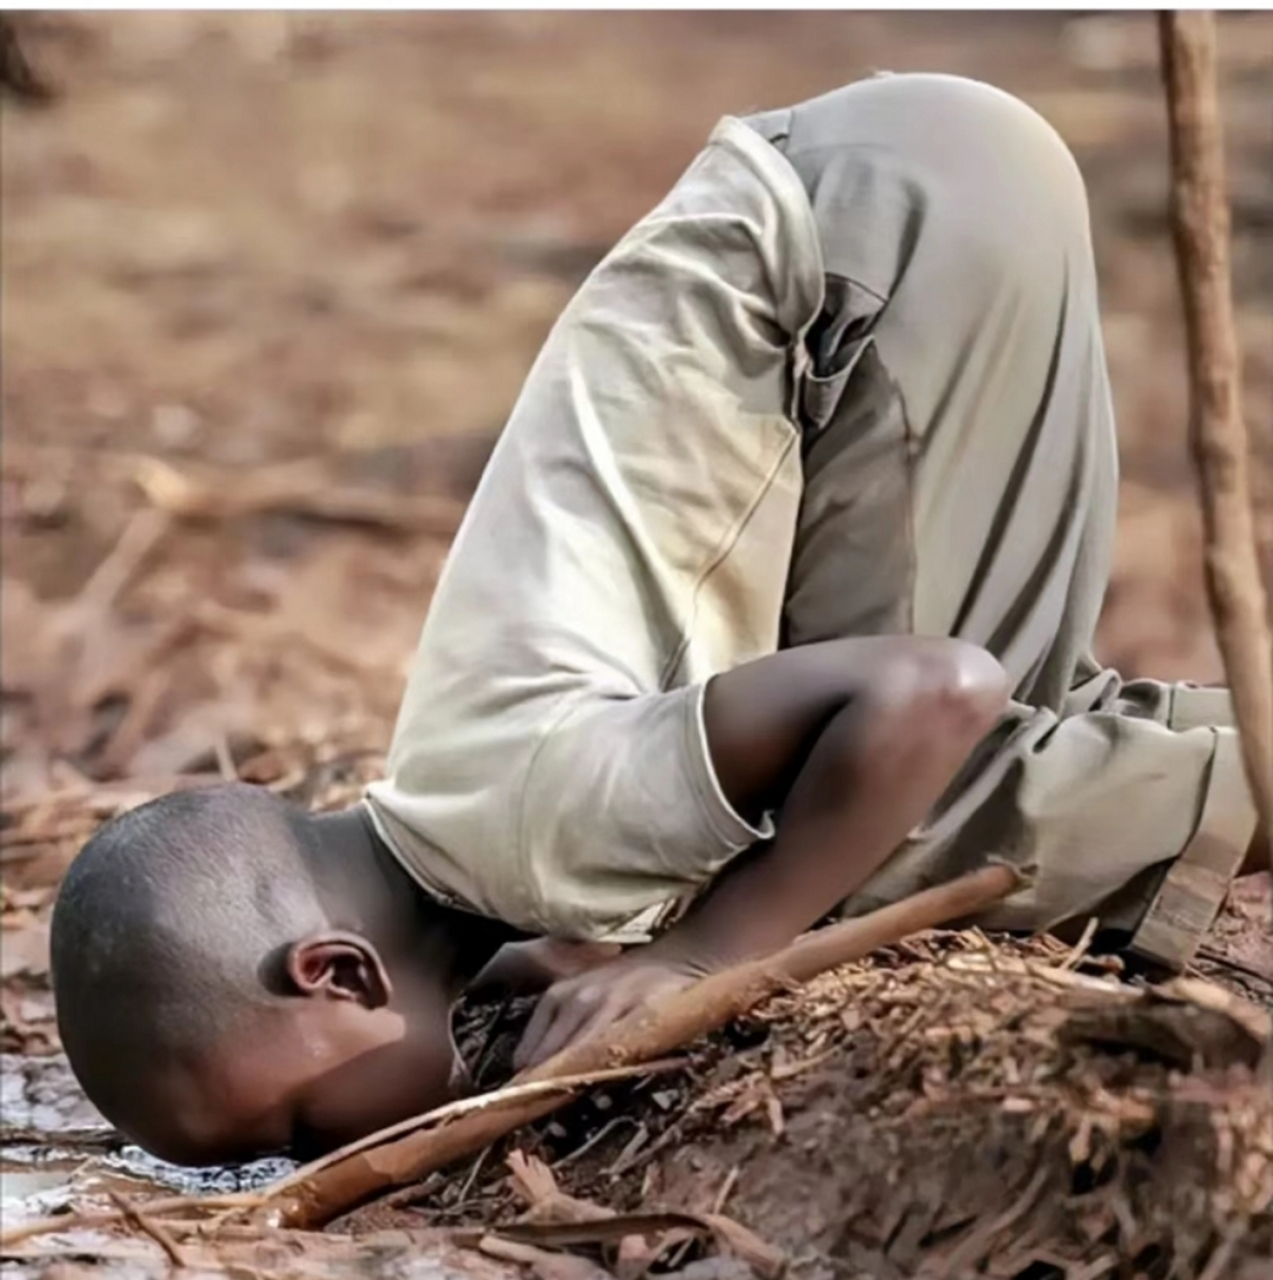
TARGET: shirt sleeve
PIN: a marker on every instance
(623, 810)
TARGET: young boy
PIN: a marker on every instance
(777, 594)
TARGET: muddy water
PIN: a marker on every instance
(57, 1151)
(57, 1155)
(39, 1179)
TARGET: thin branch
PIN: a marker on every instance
(1200, 224)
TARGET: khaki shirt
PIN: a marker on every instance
(630, 538)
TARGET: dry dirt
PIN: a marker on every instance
(271, 284)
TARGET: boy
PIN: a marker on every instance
(777, 594)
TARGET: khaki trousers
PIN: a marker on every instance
(960, 478)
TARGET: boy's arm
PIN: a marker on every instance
(855, 740)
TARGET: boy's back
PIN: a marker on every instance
(631, 536)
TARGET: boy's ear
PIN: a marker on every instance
(339, 966)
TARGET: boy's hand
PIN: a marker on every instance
(581, 1006)
(523, 967)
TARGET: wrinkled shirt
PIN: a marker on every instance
(630, 538)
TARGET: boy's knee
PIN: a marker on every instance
(988, 184)
(996, 167)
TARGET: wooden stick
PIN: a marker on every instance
(510, 1094)
(375, 1167)
(1200, 225)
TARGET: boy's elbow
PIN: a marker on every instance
(946, 694)
(975, 689)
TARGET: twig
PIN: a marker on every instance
(972, 1249)
(386, 1160)
(301, 488)
(172, 1204)
(225, 760)
(731, 1236)
(510, 1094)
(1080, 948)
(148, 1226)
(632, 1154)
(116, 571)
(410, 1196)
(1094, 1270)
(594, 1141)
(726, 1188)
(1200, 224)
(539, 1262)
(462, 1199)
(152, 688)
(1218, 1263)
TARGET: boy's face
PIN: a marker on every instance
(302, 1078)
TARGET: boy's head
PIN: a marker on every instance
(219, 994)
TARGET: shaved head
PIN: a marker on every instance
(170, 932)
(235, 977)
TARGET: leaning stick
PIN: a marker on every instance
(335, 1185)
(1200, 224)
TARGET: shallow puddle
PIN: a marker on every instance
(58, 1153)
(59, 1156)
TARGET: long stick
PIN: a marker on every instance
(1200, 224)
(335, 1186)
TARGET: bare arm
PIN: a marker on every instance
(854, 740)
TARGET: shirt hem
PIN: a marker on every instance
(727, 825)
(442, 896)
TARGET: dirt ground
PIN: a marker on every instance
(271, 283)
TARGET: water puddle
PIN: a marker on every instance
(58, 1155)
(39, 1179)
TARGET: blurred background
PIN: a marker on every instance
(270, 286)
